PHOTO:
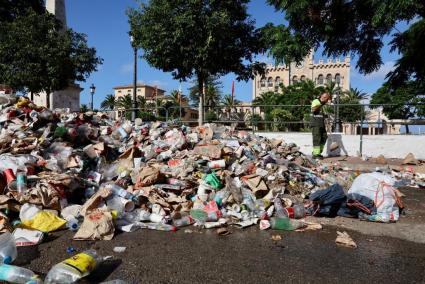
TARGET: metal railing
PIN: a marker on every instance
(356, 119)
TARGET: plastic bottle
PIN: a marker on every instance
(184, 221)
(160, 227)
(280, 211)
(72, 223)
(299, 211)
(15, 274)
(72, 269)
(121, 192)
(21, 181)
(8, 251)
(279, 223)
(137, 216)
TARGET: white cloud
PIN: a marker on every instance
(126, 68)
(158, 83)
(378, 75)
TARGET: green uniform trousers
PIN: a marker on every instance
(319, 134)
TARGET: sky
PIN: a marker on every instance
(106, 25)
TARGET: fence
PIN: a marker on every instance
(355, 119)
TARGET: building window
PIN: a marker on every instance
(270, 82)
(328, 79)
(295, 79)
(320, 79)
(139, 90)
(277, 84)
(302, 78)
(263, 83)
(119, 91)
(338, 79)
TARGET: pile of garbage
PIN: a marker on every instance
(94, 175)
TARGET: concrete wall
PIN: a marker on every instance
(391, 146)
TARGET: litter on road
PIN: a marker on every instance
(94, 175)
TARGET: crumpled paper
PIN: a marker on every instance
(97, 225)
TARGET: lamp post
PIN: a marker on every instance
(338, 126)
(134, 103)
(92, 90)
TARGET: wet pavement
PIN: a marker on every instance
(248, 256)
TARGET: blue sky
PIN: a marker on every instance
(106, 25)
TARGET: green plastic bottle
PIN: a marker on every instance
(286, 224)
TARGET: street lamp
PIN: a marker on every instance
(338, 125)
(134, 105)
(92, 90)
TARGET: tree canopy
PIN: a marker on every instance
(352, 27)
(405, 102)
(36, 54)
(197, 37)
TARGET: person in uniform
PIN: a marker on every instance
(318, 124)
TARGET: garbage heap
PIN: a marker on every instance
(92, 174)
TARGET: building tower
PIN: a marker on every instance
(57, 8)
(70, 97)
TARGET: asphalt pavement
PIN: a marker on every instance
(245, 256)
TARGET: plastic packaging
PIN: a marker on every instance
(160, 227)
(72, 223)
(8, 251)
(280, 211)
(15, 274)
(184, 221)
(72, 269)
(213, 180)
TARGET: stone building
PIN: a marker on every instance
(319, 72)
(70, 97)
(151, 93)
(146, 91)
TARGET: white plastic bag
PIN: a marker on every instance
(379, 188)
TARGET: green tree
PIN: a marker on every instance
(37, 55)
(199, 38)
(177, 101)
(84, 108)
(281, 117)
(352, 27)
(108, 103)
(229, 103)
(396, 101)
(356, 94)
(213, 92)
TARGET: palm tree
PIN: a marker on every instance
(265, 100)
(356, 94)
(108, 103)
(84, 108)
(229, 103)
(124, 102)
(212, 92)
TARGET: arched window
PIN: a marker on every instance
(263, 82)
(302, 78)
(270, 82)
(295, 79)
(277, 82)
(320, 79)
(338, 79)
(328, 78)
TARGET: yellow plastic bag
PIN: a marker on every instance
(44, 221)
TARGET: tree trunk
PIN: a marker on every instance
(407, 129)
(48, 99)
(201, 100)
